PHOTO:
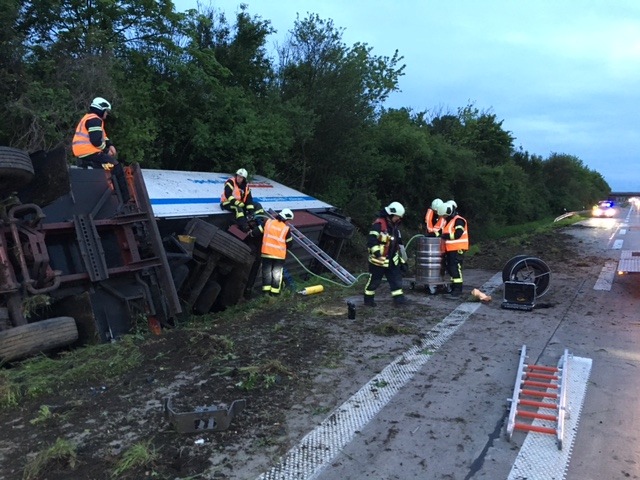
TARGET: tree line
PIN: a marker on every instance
(195, 91)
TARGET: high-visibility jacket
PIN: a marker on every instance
(455, 234)
(81, 144)
(433, 222)
(275, 239)
(237, 194)
(384, 243)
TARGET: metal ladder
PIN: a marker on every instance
(542, 388)
(318, 253)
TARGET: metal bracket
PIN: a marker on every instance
(203, 418)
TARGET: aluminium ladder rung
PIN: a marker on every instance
(560, 398)
(319, 254)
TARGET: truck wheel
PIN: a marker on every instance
(233, 286)
(16, 169)
(25, 340)
(207, 297)
(209, 236)
(337, 225)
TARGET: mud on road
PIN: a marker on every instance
(293, 359)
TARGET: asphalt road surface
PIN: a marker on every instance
(447, 422)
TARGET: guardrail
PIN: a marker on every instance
(569, 214)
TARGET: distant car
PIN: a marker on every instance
(605, 208)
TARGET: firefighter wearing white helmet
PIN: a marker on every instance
(455, 235)
(432, 220)
(237, 198)
(386, 254)
(275, 243)
(94, 149)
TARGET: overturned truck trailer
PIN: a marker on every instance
(78, 266)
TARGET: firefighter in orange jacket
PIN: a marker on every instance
(237, 198)
(92, 145)
(386, 254)
(275, 242)
(455, 235)
(432, 221)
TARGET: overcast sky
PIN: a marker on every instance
(563, 76)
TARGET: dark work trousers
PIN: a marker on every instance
(96, 160)
(272, 275)
(453, 264)
(377, 273)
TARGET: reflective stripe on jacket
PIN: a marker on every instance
(385, 242)
(455, 227)
(81, 144)
(237, 194)
(433, 225)
(274, 240)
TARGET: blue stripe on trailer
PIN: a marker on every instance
(216, 200)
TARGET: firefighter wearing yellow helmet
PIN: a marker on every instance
(386, 254)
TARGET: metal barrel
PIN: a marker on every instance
(429, 261)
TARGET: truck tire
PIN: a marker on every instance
(209, 236)
(231, 247)
(16, 169)
(337, 225)
(233, 286)
(25, 340)
(207, 298)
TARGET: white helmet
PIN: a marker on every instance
(436, 203)
(286, 214)
(444, 209)
(242, 172)
(101, 104)
(395, 208)
(447, 208)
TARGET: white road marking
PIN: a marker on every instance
(319, 447)
(539, 457)
(617, 244)
(607, 274)
(622, 231)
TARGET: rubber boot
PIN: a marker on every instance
(400, 300)
(456, 291)
(369, 301)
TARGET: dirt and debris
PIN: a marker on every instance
(293, 359)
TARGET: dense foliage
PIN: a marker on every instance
(194, 91)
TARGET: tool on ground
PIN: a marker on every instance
(351, 310)
(311, 290)
(203, 418)
(519, 296)
(318, 253)
(483, 297)
(537, 388)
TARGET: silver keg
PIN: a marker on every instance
(429, 261)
